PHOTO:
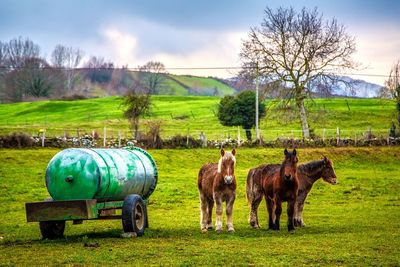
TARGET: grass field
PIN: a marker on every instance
(355, 222)
(180, 114)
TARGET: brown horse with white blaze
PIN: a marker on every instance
(277, 183)
(217, 183)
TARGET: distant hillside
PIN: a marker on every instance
(359, 88)
(179, 85)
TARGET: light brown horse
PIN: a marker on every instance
(277, 183)
(307, 174)
(217, 183)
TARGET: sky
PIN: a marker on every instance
(192, 33)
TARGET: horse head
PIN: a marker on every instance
(226, 166)
(289, 165)
(328, 173)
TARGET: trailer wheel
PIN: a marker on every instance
(134, 215)
(52, 229)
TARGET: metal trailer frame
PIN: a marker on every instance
(52, 215)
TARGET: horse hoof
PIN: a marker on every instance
(210, 227)
(231, 230)
(204, 230)
(218, 231)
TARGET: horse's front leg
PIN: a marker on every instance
(290, 214)
(229, 211)
(218, 204)
(298, 214)
(278, 212)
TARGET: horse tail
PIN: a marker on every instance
(250, 186)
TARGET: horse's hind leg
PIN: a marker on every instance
(210, 207)
(203, 212)
(271, 212)
(254, 203)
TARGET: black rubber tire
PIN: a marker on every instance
(52, 229)
(134, 215)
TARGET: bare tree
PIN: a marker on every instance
(67, 58)
(152, 76)
(33, 78)
(392, 87)
(18, 50)
(98, 70)
(298, 49)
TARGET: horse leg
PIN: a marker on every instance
(203, 212)
(218, 204)
(278, 212)
(209, 210)
(271, 212)
(290, 214)
(298, 220)
(254, 203)
(229, 210)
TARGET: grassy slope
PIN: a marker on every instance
(352, 223)
(97, 113)
(202, 82)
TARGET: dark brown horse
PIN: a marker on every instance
(217, 183)
(277, 183)
(307, 174)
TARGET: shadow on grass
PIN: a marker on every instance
(242, 233)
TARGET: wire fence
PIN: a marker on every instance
(102, 134)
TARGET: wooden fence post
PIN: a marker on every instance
(43, 136)
(119, 138)
(238, 136)
(337, 136)
(187, 138)
(105, 136)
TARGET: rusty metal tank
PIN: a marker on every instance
(102, 174)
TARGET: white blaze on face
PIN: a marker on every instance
(229, 177)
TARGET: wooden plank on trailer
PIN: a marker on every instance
(61, 210)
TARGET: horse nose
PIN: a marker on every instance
(288, 176)
(228, 179)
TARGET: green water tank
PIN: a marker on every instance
(102, 174)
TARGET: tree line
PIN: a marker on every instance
(26, 74)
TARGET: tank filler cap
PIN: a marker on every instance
(69, 179)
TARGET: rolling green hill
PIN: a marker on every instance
(195, 114)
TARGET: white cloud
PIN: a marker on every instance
(377, 49)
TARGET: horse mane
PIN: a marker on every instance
(311, 166)
(226, 156)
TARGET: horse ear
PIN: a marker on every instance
(285, 152)
(222, 152)
(294, 152)
(234, 152)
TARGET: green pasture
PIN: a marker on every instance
(195, 114)
(354, 223)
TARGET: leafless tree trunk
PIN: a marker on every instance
(68, 59)
(298, 49)
(152, 76)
